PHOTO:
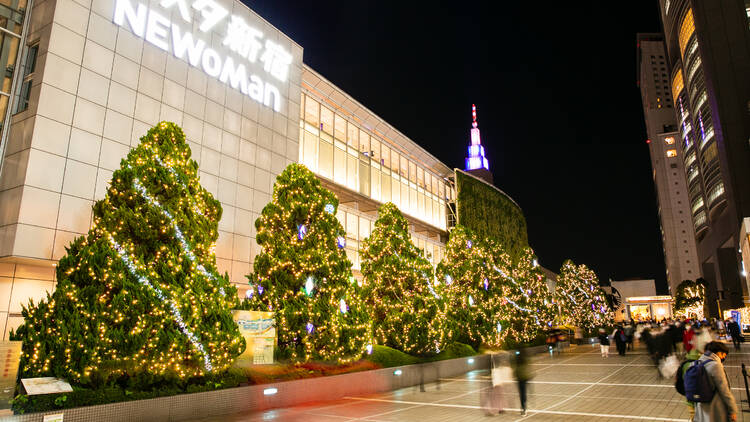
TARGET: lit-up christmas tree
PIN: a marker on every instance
(303, 275)
(140, 294)
(406, 310)
(582, 302)
(525, 303)
(472, 298)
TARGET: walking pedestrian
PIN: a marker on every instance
(603, 343)
(629, 333)
(523, 375)
(620, 340)
(491, 399)
(734, 330)
(722, 407)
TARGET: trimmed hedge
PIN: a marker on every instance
(490, 213)
(388, 357)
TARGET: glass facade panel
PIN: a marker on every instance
(364, 178)
(385, 187)
(339, 163)
(326, 120)
(340, 150)
(375, 187)
(312, 110)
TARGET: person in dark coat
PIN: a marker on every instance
(620, 340)
(734, 330)
(522, 372)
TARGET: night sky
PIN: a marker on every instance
(555, 87)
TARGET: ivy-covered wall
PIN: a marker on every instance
(489, 212)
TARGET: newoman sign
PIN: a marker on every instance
(245, 42)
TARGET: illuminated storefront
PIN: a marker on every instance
(649, 307)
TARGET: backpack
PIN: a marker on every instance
(679, 383)
(698, 387)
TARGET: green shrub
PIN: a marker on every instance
(388, 357)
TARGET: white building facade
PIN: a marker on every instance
(94, 75)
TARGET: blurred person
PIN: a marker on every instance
(629, 334)
(722, 406)
(702, 337)
(620, 340)
(492, 399)
(735, 332)
(687, 337)
(603, 343)
(523, 374)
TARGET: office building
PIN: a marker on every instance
(677, 234)
(708, 47)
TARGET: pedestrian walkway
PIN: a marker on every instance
(578, 385)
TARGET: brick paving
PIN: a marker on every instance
(578, 385)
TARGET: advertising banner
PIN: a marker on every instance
(259, 330)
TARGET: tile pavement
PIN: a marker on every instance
(578, 385)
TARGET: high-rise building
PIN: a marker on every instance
(678, 236)
(708, 47)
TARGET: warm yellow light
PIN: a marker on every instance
(671, 153)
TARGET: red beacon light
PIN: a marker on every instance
(648, 141)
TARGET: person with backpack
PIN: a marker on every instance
(679, 384)
(733, 328)
(707, 385)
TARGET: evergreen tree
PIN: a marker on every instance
(472, 298)
(140, 293)
(690, 298)
(303, 274)
(582, 301)
(526, 303)
(405, 309)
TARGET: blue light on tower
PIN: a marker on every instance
(476, 159)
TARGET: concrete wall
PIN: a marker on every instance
(252, 398)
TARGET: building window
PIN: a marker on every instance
(28, 78)
(671, 153)
(669, 140)
(686, 30)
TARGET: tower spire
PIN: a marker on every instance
(476, 159)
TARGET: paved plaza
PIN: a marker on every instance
(578, 385)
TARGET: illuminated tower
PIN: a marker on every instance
(476, 163)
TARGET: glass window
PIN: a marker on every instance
(311, 152)
(326, 120)
(341, 216)
(420, 206)
(671, 153)
(29, 67)
(404, 169)
(405, 204)
(364, 228)
(375, 184)
(311, 112)
(413, 206)
(385, 188)
(351, 172)
(364, 143)
(353, 257)
(339, 164)
(375, 150)
(420, 178)
(351, 225)
(352, 136)
(396, 192)
(339, 131)
(325, 167)
(386, 157)
(412, 172)
(394, 161)
(364, 177)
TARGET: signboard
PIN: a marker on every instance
(10, 357)
(737, 315)
(228, 58)
(259, 330)
(45, 385)
(55, 417)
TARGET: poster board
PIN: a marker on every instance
(45, 385)
(10, 358)
(259, 330)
